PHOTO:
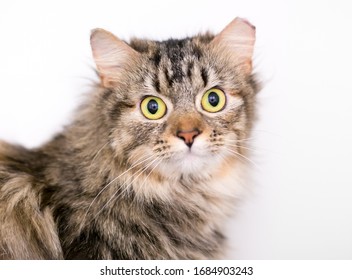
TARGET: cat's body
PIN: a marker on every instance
(125, 181)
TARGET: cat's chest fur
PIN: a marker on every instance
(177, 219)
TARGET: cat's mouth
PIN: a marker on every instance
(194, 153)
(189, 161)
(179, 157)
(196, 150)
(197, 155)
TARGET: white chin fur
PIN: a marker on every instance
(196, 161)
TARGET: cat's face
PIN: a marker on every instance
(182, 107)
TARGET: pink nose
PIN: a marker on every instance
(188, 136)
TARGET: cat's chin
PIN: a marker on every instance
(191, 163)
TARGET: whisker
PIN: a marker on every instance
(138, 173)
(241, 147)
(125, 188)
(96, 155)
(242, 140)
(249, 147)
(144, 169)
(145, 180)
(112, 181)
(243, 157)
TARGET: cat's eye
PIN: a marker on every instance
(153, 108)
(213, 100)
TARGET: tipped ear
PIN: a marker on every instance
(111, 55)
(238, 40)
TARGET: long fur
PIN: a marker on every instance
(114, 185)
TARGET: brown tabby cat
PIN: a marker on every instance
(152, 163)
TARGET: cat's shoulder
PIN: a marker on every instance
(27, 231)
(17, 179)
(10, 152)
(14, 164)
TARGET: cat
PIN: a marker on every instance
(151, 165)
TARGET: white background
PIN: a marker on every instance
(300, 205)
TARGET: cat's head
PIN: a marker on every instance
(182, 107)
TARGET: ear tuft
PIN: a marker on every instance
(111, 55)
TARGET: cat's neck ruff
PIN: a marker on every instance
(216, 190)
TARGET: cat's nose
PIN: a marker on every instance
(188, 136)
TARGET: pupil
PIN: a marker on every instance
(213, 99)
(153, 106)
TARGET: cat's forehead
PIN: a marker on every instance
(176, 67)
(171, 46)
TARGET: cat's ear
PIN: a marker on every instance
(112, 56)
(237, 39)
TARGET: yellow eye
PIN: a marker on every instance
(153, 108)
(213, 100)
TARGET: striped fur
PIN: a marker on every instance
(115, 185)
